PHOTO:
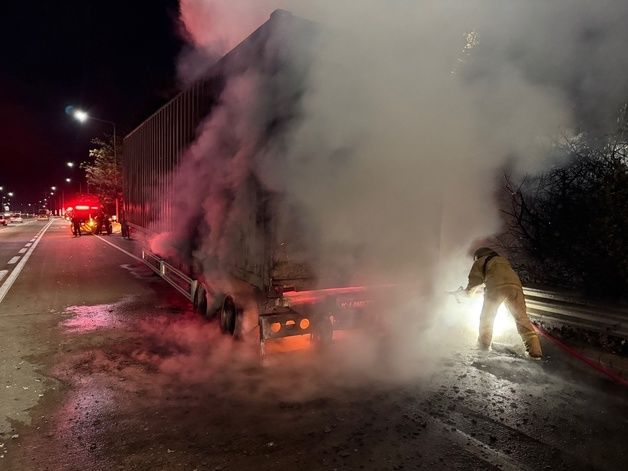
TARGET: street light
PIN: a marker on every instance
(80, 115)
(70, 164)
(53, 188)
(10, 193)
(68, 180)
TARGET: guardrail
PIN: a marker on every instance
(176, 278)
(563, 309)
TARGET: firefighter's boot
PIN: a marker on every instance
(533, 346)
(515, 301)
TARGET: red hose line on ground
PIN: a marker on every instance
(593, 364)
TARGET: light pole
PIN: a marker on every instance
(8, 204)
(60, 211)
(83, 116)
(72, 165)
(67, 180)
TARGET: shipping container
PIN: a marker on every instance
(264, 269)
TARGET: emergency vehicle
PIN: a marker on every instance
(88, 208)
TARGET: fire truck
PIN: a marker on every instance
(91, 215)
(267, 269)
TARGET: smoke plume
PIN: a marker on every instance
(394, 123)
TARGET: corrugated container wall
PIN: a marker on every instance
(153, 150)
(152, 153)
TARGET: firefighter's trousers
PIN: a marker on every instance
(515, 302)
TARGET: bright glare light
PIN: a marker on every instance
(68, 180)
(503, 320)
(70, 164)
(81, 115)
(10, 193)
(1, 188)
(51, 193)
(53, 188)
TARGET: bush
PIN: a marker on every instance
(572, 222)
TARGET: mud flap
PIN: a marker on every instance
(322, 332)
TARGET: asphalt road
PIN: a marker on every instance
(14, 239)
(103, 366)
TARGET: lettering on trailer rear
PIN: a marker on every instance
(355, 303)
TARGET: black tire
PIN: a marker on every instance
(200, 301)
(228, 315)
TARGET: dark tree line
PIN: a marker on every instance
(570, 225)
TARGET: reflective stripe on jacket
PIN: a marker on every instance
(498, 274)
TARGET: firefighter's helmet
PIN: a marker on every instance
(483, 252)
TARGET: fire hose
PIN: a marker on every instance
(588, 361)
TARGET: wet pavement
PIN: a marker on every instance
(121, 375)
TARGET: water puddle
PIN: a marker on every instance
(92, 318)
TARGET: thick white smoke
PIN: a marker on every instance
(411, 111)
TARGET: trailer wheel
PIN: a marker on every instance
(228, 314)
(200, 301)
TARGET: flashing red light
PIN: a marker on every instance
(82, 207)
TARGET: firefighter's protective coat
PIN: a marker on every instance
(502, 285)
(499, 274)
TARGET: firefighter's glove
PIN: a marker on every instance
(459, 294)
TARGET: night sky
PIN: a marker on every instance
(115, 58)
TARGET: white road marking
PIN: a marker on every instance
(14, 260)
(3, 273)
(120, 249)
(28, 245)
(23, 250)
(6, 286)
(476, 447)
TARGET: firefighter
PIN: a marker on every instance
(124, 225)
(502, 285)
(76, 225)
(100, 221)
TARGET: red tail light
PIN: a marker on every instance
(82, 207)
